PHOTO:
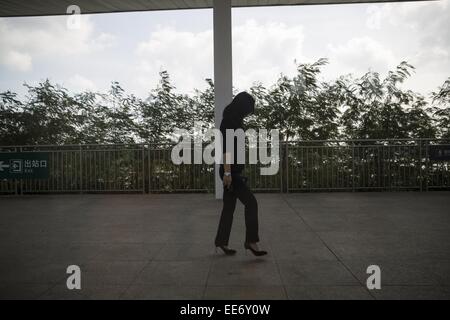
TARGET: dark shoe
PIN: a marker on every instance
(227, 251)
(255, 252)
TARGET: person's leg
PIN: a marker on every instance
(247, 198)
(226, 218)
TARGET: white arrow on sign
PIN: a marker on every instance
(3, 165)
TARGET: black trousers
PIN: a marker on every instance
(239, 190)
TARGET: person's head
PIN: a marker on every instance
(242, 105)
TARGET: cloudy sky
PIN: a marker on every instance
(133, 47)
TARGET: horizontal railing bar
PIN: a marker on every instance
(174, 143)
(369, 140)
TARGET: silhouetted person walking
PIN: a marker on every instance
(235, 185)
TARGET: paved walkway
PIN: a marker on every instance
(161, 247)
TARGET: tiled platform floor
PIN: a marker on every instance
(162, 247)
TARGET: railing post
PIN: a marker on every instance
(281, 167)
(287, 167)
(353, 166)
(15, 181)
(420, 165)
(143, 168)
(21, 179)
(81, 170)
(149, 163)
(426, 164)
(284, 184)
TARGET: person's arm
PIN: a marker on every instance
(227, 170)
(226, 160)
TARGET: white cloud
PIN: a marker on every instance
(395, 14)
(79, 83)
(262, 49)
(427, 22)
(22, 40)
(376, 16)
(16, 60)
(187, 56)
(260, 53)
(361, 54)
(103, 41)
(426, 25)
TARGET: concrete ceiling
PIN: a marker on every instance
(17, 8)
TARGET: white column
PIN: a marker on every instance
(223, 79)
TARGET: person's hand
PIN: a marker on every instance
(227, 181)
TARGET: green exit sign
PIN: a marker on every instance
(24, 165)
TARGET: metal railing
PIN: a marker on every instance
(357, 165)
(321, 165)
(84, 168)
